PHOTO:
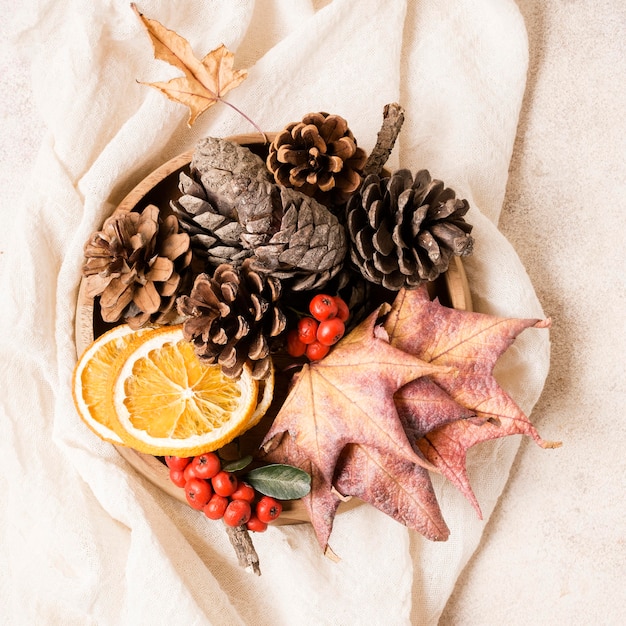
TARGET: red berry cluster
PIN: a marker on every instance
(220, 494)
(314, 336)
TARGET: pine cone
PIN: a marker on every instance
(405, 231)
(215, 238)
(307, 248)
(319, 157)
(237, 186)
(138, 263)
(230, 174)
(232, 318)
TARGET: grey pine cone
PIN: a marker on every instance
(405, 230)
(232, 212)
(308, 245)
(228, 172)
(215, 238)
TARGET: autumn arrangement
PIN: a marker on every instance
(271, 329)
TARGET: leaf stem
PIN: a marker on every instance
(232, 106)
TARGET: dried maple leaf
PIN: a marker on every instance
(470, 344)
(205, 81)
(346, 398)
(393, 485)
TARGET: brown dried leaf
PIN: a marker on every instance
(322, 501)
(470, 344)
(347, 398)
(205, 81)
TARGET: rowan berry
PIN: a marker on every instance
(255, 524)
(177, 476)
(343, 312)
(177, 462)
(323, 307)
(295, 346)
(206, 465)
(189, 472)
(268, 509)
(224, 483)
(237, 513)
(329, 332)
(198, 492)
(215, 507)
(307, 329)
(316, 351)
(244, 491)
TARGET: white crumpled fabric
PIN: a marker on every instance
(83, 538)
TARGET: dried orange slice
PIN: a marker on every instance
(169, 403)
(91, 376)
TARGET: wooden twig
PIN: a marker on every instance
(393, 118)
(244, 548)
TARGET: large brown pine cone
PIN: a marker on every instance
(404, 231)
(215, 238)
(229, 173)
(232, 317)
(237, 186)
(138, 264)
(319, 157)
(308, 246)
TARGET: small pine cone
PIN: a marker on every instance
(309, 246)
(319, 157)
(405, 231)
(232, 317)
(215, 238)
(138, 264)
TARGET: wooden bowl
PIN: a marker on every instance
(159, 188)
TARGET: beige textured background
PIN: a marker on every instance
(554, 551)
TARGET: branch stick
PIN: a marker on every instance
(244, 548)
(393, 118)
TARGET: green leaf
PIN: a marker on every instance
(238, 464)
(283, 482)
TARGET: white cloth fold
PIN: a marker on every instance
(85, 538)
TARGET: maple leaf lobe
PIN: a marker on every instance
(400, 489)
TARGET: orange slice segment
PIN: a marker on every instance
(169, 403)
